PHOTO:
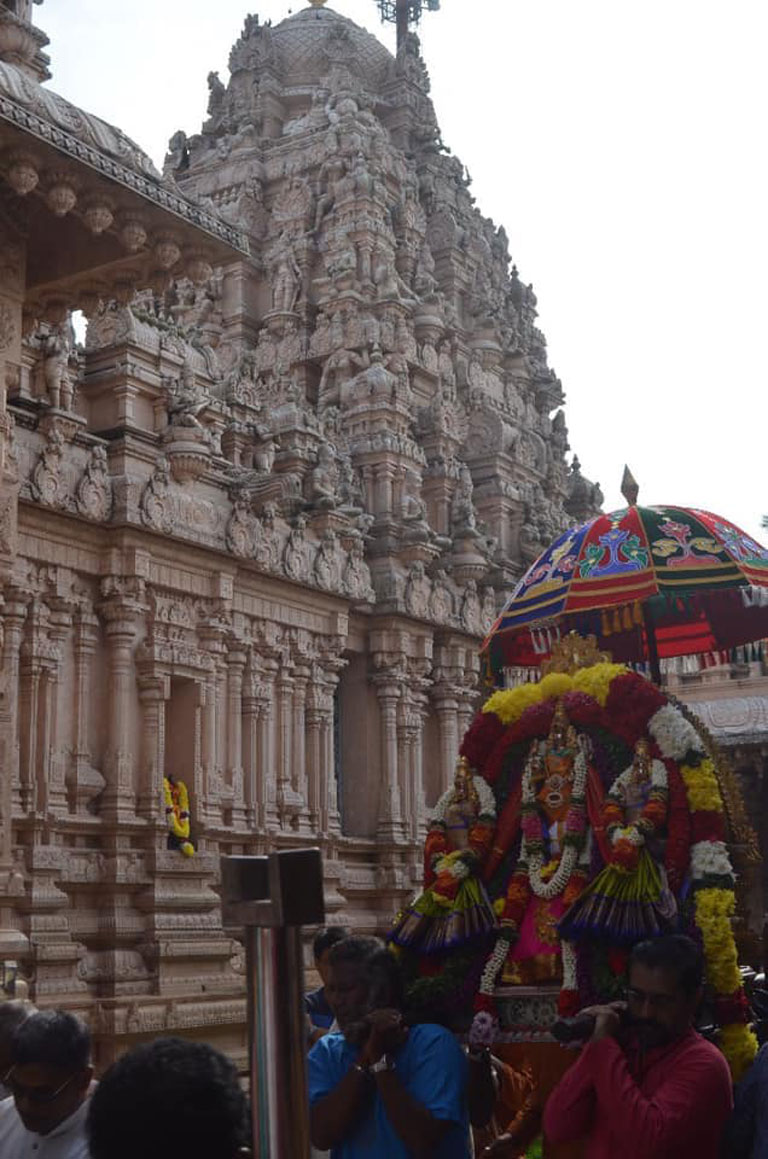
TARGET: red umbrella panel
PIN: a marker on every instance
(693, 581)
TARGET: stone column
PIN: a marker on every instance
(288, 803)
(84, 782)
(300, 779)
(445, 701)
(14, 614)
(59, 629)
(315, 762)
(236, 659)
(384, 475)
(122, 616)
(268, 743)
(14, 944)
(388, 692)
(154, 690)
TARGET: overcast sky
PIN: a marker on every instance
(621, 145)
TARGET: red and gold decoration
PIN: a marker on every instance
(605, 788)
(649, 583)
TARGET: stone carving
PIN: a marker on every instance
(239, 533)
(93, 497)
(471, 610)
(418, 590)
(323, 479)
(58, 379)
(285, 275)
(327, 567)
(463, 518)
(47, 484)
(357, 575)
(7, 326)
(155, 499)
(297, 557)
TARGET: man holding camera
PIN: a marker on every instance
(646, 1085)
(381, 1090)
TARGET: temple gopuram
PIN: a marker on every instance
(254, 527)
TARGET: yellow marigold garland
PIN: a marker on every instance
(510, 703)
(701, 786)
(596, 681)
(713, 910)
(555, 684)
(739, 1045)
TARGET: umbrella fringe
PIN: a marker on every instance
(754, 596)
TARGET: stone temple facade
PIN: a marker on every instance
(253, 532)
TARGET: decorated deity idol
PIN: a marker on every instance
(554, 853)
(453, 909)
(629, 900)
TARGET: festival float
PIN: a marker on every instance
(590, 808)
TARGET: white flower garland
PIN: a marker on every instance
(569, 857)
(710, 858)
(485, 797)
(674, 735)
(568, 950)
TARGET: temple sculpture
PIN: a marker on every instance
(254, 527)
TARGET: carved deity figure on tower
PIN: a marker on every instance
(285, 275)
(453, 910)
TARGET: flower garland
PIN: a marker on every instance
(628, 840)
(712, 879)
(625, 705)
(564, 876)
(177, 814)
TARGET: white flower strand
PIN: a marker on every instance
(674, 735)
(570, 855)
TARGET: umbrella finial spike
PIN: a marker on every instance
(629, 487)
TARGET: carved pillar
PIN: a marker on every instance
(288, 803)
(388, 692)
(266, 761)
(154, 690)
(236, 659)
(122, 616)
(445, 701)
(39, 658)
(300, 779)
(315, 760)
(215, 793)
(13, 944)
(83, 783)
(55, 748)
(14, 615)
(384, 475)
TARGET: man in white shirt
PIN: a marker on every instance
(50, 1079)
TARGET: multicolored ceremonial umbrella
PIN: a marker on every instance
(649, 582)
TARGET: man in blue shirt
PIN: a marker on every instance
(379, 1090)
(316, 1005)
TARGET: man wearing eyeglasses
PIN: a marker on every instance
(49, 1079)
(646, 1085)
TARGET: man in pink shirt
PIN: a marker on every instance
(646, 1085)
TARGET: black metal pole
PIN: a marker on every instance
(653, 650)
